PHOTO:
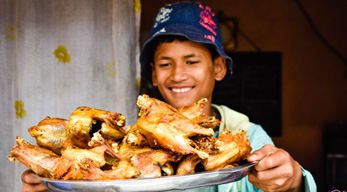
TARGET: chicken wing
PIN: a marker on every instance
(42, 161)
(195, 113)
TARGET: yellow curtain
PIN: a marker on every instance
(58, 55)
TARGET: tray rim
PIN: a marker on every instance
(220, 171)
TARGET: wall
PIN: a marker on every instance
(314, 80)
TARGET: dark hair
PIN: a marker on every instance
(171, 38)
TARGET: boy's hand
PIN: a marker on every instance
(30, 184)
(276, 170)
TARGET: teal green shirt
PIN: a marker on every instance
(234, 121)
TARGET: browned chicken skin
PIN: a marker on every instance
(134, 137)
(188, 164)
(164, 126)
(42, 161)
(150, 162)
(52, 134)
(85, 169)
(195, 113)
(74, 163)
(57, 134)
(86, 163)
(231, 149)
(83, 118)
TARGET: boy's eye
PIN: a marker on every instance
(164, 64)
(192, 62)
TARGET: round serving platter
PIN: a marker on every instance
(165, 183)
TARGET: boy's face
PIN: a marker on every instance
(184, 72)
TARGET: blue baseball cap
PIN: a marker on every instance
(192, 20)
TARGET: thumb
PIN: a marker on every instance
(261, 153)
(28, 177)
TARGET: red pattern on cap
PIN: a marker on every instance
(210, 37)
(206, 19)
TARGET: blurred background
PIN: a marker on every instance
(297, 51)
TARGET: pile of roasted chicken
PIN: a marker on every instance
(95, 145)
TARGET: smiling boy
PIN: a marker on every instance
(184, 59)
(184, 72)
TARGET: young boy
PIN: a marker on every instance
(184, 58)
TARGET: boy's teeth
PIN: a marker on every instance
(180, 90)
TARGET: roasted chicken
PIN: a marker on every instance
(57, 134)
(164, 141)
(150, 162)
(83, 119)
(85, 169)
(87, 163)
(52, 134)
(164, 126)
(74, 163)
(42, 161)
(231, 149)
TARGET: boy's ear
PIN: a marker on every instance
(220, 68)
(154, 77)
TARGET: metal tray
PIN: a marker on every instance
(166, 183)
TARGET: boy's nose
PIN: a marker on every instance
(178, 73)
